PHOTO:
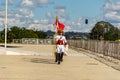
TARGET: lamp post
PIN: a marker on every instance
(6, 12)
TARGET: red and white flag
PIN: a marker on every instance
(59, 26)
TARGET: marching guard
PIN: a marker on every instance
(61, 43)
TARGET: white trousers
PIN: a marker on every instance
(60, 48)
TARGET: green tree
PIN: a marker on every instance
(11, 36)
(2, 34)
(15, 31)
(105, 29)
(19, 33)
(41, 34)
(1, 40)
(24, 33)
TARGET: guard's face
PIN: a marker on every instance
(60, 33)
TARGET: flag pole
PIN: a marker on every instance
(55, 34)
(6, 13)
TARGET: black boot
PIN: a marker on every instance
(58, 59)
(61, 57)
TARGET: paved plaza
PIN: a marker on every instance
(35, 62)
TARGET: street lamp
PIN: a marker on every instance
(6, 12)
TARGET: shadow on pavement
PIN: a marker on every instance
(92, 63)
(41, 60)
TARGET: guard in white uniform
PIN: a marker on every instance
(61, 42)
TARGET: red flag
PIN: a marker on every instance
(59, 25)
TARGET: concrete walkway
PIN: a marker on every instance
(43, 67)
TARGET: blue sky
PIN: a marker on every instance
(40, 14)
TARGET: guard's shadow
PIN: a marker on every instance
(41, 60)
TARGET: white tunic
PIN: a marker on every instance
(60, 46)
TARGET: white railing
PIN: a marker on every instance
(32, 41)
(107, 48)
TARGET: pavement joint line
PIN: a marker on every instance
(11, 51)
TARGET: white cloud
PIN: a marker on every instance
(17, 15)
(26, 13)
(10, 2)
(112, 12)
(49, 15)
(34, 3)
(113, 16)
(43, 1)
(118, 25)
(59, 7)
(23, 16)
(41, 27)
(27, 3)
(110, 5)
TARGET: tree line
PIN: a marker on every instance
(18, 33)
(101, 29)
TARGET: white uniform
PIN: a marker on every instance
(61, 40)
